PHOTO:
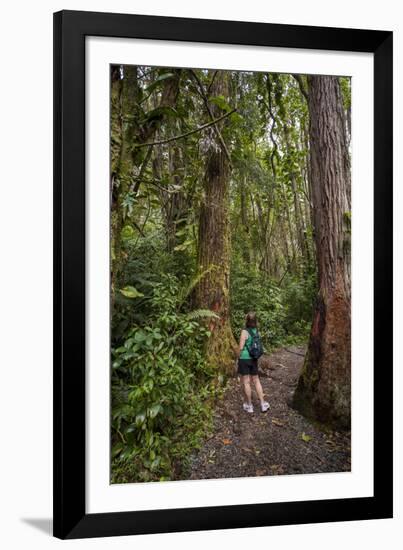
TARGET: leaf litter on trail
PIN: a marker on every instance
(277, 422)
(254, 444)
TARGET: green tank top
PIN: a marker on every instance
(245, 353)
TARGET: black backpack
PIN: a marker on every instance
(256, 348)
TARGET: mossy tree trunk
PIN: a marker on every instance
(323, 390)
(120, 171)
(212, 291)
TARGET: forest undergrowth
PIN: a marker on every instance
(164, 391)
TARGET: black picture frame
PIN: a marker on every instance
(70, 30)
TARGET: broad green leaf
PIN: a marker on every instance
(139, 336)
(116, 449)
(131, 292)
(154, 410)
(140, 418)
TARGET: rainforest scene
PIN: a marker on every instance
(230, 209)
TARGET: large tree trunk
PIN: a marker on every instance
(212, 291)
(323, 390)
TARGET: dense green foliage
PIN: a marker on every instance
(159, 387)
(162, 383)
(284, 311)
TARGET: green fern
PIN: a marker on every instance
(202, 313)
(185, 291)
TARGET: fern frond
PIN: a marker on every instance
(202, 313)
(186, 290)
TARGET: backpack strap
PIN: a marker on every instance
(251, 335)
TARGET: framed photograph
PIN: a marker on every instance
(222, 274)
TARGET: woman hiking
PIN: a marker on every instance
(247, 364)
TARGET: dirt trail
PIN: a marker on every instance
(280, 441)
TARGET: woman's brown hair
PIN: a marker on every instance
(250, 320)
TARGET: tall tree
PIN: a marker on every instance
(323, 389)
(123, 100)
(212, 291)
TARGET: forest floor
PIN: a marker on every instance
(280, 441)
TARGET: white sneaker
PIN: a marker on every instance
(248, 408)
(265, 406)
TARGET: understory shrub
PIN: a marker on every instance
(160, 389)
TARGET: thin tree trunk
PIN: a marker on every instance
(323, 390)
(245, 222)
(177, 206)
(299, 222)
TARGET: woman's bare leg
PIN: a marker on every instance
(247, 389)
(258, 387)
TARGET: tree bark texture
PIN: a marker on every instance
(324, 387)
(212, 291)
